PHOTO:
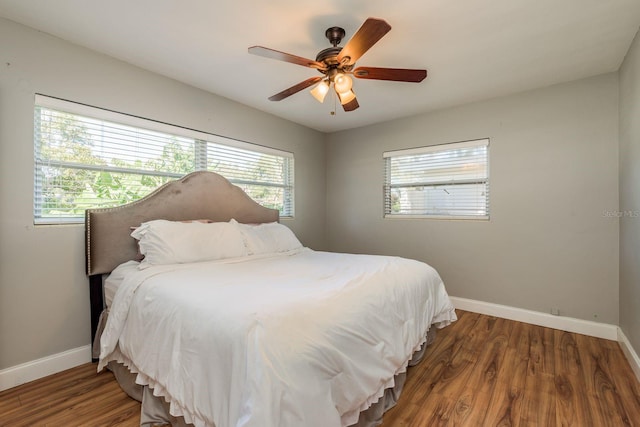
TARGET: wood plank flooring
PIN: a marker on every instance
(487, 371)
(481, 371)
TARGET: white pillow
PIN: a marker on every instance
(267, 238)
(171, 242)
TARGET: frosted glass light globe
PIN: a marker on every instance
(342, 83)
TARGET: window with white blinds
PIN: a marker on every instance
(87, 157)
(439, 181)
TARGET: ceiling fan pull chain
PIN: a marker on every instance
(335, 104)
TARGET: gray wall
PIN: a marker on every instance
(553, 178)
(44, 300)
(630, 194)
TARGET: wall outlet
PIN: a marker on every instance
(555, 311)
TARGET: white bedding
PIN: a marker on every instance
(115, 278)
(302, 338)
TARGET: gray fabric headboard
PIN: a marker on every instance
(199, 195)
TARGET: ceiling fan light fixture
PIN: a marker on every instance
(346, 97)
(320, 91)
(342, 83)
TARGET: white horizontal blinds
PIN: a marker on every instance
(449, 180)
(82, 162)
(267, 178)
(86, 161)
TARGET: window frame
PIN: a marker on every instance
(199, 139)
(388, 186)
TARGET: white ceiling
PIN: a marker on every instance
(472, 49)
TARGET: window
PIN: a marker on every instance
(86, 157)
(440, 181)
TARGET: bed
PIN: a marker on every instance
(228, 320)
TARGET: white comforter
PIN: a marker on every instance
(303, 338)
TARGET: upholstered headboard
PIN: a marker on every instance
(199, 195)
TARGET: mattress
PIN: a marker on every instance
(300, 338)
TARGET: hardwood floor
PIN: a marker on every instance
(481, 371)
(487, 371)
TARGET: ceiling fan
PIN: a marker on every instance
(336, 64)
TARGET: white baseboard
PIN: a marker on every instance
(20, 374)
(629, 353)
(569, 324)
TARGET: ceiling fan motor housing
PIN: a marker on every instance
(328, 55)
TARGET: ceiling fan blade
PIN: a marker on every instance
(295, 89)
(395, 74)
(367, 35)
(286, 57)
(351, 105)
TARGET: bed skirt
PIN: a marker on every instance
(155, 410)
